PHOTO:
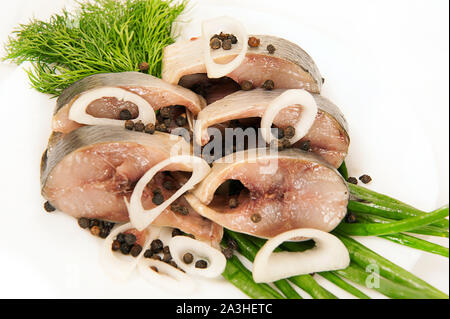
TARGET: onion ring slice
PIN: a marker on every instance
(290, 98)
(78, 109)
(215, 26)
(141, 218)
(328, 254)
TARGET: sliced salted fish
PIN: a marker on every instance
(89, 171)
(104, 96)
(327, 136)
(290, 67)
(283, 191)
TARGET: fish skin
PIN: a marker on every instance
(84, 138)
(186, 57)
(247, 104)
(277, 201)
(62, 145)
(135, 82)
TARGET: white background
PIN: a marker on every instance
(385, 64)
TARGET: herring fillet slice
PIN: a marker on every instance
(290, 67)
(328, 135)
(300, 191)
(87, 172)
(155, 91)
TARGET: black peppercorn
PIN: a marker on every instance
(139, 126)
(365, 178)
(95, 230)
(256, 218)
(176, 232)
(158, 199)
(271, 49)
(148, 253)
(115, 246)
(165, 112)
(104, 232)
(129, 125)
(156, 246)
(125, 248)
(49, 207)
(143, 67)
(125, 115)
(233, 38)
(83, 222)
(130, 239)
(188, 258)
(305, 145)
(268, 85)
(227, 252)
(166, 258)
(169, 185)
(289, 132)
(121, 238)
(232, 244)
(226, 44)
(246, 85)
(201, 264)
(135, 250)
(253, 42)
(352, 180)
(215, 43)
(181, 120)
(149, 128)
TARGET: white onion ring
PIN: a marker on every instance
(215, 26)
(78, 112)
(290, 98)
(329, 254)
(181, 245)
(117, 266)
(141, 218)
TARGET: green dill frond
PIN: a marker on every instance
(101, 36)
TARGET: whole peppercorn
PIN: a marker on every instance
(226, 44)
(179, 209)
(130, 239)
(49, 207)
(125, 248)
(94, 222)
(139, 126)
(83, 222)
(280, 133)
(125, 115)
(232, 244)
(165, 112)
(268, 85)
(201, 264)
(188, 258)
(352, 180)
(256, 218)
(156, 257)
(233, 202)
(149, 128)
(95, 230)
(121, 238)
(104, 232)
(246, 85)
(215, 43)
(289, 132)
(129, 125)
(168, 185)
(156, 246)
(286, 143)
(143, 67)
(181, 120)
(365, 178)
(161, 127)
(166, 250)
(253, 42)
(233, 38)
(115, 246)
(350, 218)
(271, 49)
(135, 250)
(166, 258)
(305, 145)
(158, 199)
(227, 252)
(148, 253)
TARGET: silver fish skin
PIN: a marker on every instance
(62, 145)
(155, 91)
(186, 58)
(301, 191)
(328, 135)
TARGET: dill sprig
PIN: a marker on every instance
(101, 36)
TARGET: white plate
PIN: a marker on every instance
(385, 70)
